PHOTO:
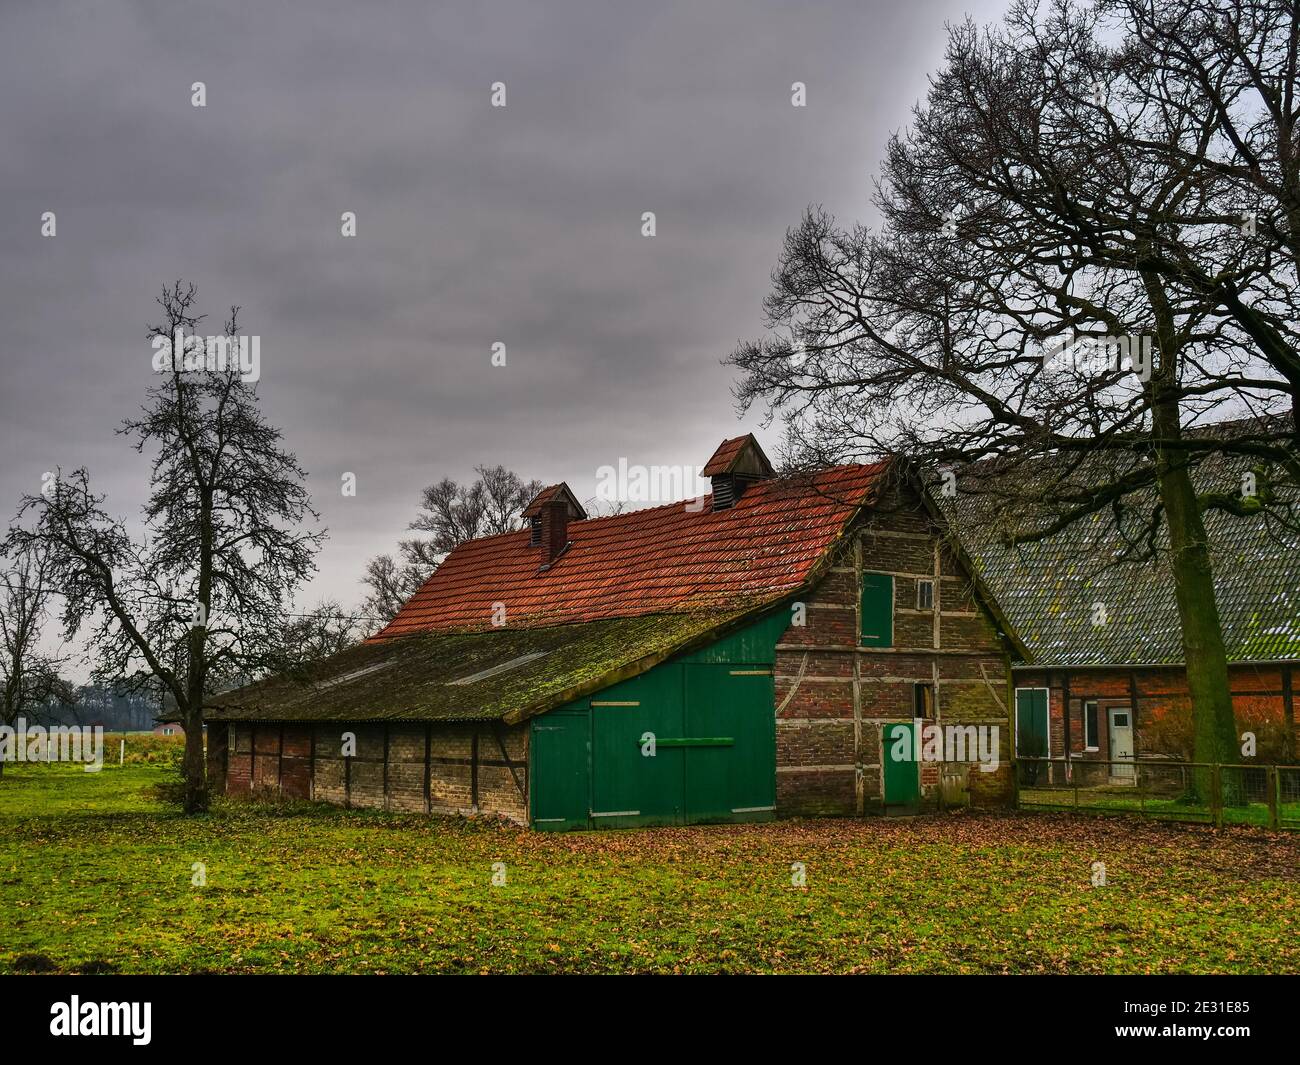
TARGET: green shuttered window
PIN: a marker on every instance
(1031, 723)
(877, 610)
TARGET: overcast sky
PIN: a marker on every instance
(475, 224)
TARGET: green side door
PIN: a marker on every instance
(901, 768)
(877, 610)
(628, 787)
(559, 781)
(730, 743)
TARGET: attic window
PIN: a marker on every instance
(504, 667)
(535, 530)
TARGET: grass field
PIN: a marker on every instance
(95, 875)
(1121, 800)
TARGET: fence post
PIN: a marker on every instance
(1216, 794)
(1270, 784)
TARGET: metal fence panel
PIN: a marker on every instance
(1262, 795)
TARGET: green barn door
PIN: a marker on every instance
(902, 770)
(730, 743)
(627, 787)
(559, 782)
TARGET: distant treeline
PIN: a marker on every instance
(96, 704)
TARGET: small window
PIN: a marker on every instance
(925, 595)
(1090, 726)
(922, 700)
(1121, 720)
(534, 531)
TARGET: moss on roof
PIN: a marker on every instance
(1048, 590)
(434, 676)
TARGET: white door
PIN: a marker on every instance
(1121, 745)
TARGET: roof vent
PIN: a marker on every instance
(724, 492)
(736, 465)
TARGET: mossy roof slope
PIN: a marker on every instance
(506, 674)
(1048, 589)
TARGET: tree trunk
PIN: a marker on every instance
(194, 764)
(1214, 728)
(1207, 663)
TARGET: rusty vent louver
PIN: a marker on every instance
(724, 493)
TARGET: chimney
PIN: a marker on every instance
(548, 518)
(553, 526)
(736, 465)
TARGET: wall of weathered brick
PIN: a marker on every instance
(463, 769)
(834, 697)
(1258, 691)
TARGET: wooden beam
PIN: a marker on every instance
(1288, 710)
(428, 768)
(473, 771)
(385, 765)
(505, 756)
(1065, 711)
(1133, 716)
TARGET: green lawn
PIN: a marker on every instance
(95, 875)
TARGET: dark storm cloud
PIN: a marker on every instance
(475, 225)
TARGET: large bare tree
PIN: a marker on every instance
(1053, 289)
(201, 596)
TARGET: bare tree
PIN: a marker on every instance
(202, 595)
(1044, 210)
(30, 681)
(453, 513)
(325, 630)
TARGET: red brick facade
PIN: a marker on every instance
(1263, 698)
(834, 697)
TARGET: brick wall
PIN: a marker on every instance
(1158, 699)
(444, 769)
(834, 697)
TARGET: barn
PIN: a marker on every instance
(776, 647)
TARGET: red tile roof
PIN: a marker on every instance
(659, 560)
